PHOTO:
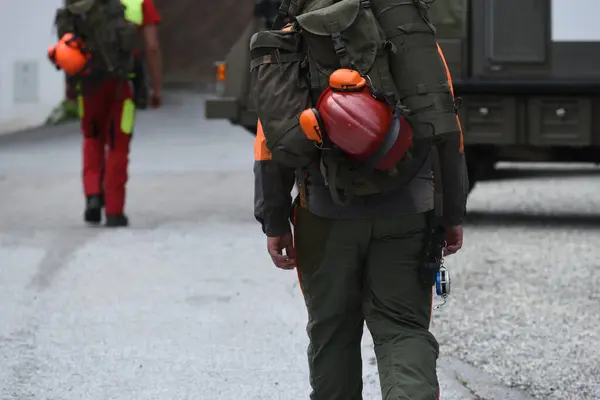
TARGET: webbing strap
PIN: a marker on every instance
(438, 199)
(382, 63)
(338, 43)
(422, 89)
(385, 79)
(282, 14)
(276, 59)
(331, 174)
(388, 142)
(315, 83)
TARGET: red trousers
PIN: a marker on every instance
(107, 119)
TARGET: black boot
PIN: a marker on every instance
(115, 221)
(93, 209)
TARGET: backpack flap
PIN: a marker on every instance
(338, 36)
(281, 93)
(346, 35)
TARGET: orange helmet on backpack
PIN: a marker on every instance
(358, 121)
(70, 55)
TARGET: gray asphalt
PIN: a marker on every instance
(185, 303)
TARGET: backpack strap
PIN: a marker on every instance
(438, 199)
(277, 59)
(338, 44)
(282, 14)
(388, 142)
(331, 175)
(382, 63)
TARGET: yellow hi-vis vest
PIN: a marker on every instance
(134, 11)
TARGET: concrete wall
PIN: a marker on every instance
(30, 87)
(193, 39)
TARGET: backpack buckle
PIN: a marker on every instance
(338, 44)
(365, 4)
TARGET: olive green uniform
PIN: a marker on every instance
(357, 270)
(363, 262)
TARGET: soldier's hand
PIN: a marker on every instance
(276, 246)
(454, 239)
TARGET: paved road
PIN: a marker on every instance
(186, 305)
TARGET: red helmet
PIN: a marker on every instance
(364, 127)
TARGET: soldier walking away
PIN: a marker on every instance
(377, 156)
(98, 41)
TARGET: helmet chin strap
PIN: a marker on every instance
(388, 142)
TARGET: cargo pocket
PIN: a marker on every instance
(417, 67)
(311, 235)
(280, 93)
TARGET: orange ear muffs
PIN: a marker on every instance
(346, 80)
(312, 125)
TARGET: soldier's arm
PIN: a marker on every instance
(455, 182)
(152, 45)
(273, 185)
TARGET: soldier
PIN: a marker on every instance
(362, 258)
(97, 47)
(362, 262)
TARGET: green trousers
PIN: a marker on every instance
(358, 270)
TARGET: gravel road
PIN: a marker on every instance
(186, 305)
(526, 300)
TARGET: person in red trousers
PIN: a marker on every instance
(107, 121)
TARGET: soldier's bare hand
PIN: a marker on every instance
(276, 246)
(454, 239)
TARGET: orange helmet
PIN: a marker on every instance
(70, 56)
(364, 127)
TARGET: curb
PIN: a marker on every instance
(68, 127)
(42, 132)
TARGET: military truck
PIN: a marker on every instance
(527, 72)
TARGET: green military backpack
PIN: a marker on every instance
(390, 41)
(105, 32)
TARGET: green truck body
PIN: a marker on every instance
(528, 93)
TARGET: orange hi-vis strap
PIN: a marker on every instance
(449, 77)
(261, 153)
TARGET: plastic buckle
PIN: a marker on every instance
(338, 44)
(365, 3)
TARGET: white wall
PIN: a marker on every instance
(575, 20)
(27, 95)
